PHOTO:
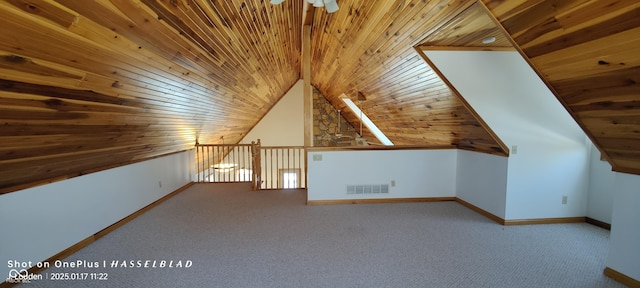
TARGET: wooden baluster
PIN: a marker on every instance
(197, 161)
(259, 166)
(270, 172)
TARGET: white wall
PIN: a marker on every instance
(417, 173)
(601, 181)
(40, 222)
(540, 177)
(507, 93)
(482, 181)
(552, 155)
(284, 123)
(624, 243)
(282, 126)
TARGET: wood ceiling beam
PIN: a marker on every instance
(464, 48)
(307, 13)
(308, 92)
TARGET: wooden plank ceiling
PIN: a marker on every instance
(588, 52)
(466, 31)
(88, 85)
(366, 48)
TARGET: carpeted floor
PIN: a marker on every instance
(232, 237)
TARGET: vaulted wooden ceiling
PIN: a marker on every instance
(87, 85)
(367, 48)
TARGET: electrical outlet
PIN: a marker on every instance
(564, 199)
(160, 184)
(393, 183)
(514, 149)
(317, 157)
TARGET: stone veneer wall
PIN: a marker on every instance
(325, 124)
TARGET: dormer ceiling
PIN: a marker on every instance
(588, 53)
(88, 85)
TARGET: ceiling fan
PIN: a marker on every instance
(331, 5)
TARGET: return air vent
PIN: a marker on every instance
(368, 189)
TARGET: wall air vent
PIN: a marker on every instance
(368, 189)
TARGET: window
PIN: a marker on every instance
(289, 179)
(367, 122)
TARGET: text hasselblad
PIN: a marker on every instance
(103, 264)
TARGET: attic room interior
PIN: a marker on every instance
(524, 113)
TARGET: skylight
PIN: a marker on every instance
(367, 122)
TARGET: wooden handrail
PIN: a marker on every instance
(221, 145)
(395, 147)
(270, 166)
